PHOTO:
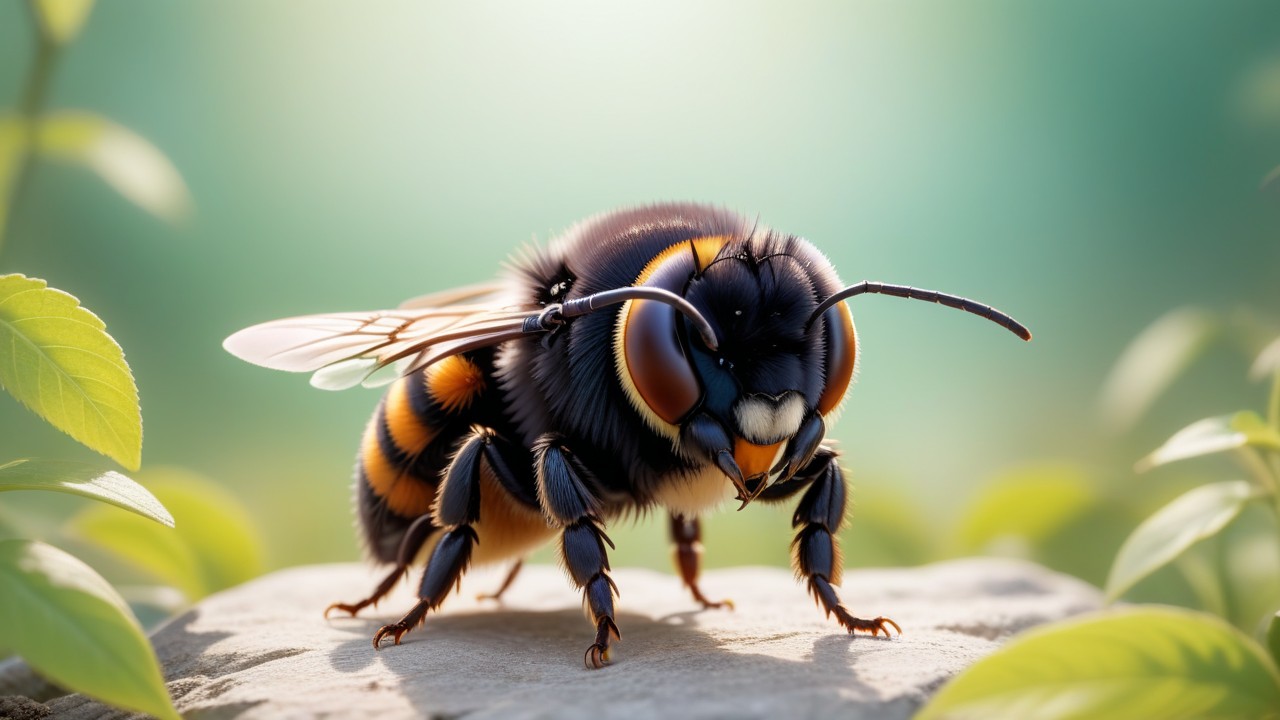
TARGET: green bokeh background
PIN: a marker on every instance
(1084, 165)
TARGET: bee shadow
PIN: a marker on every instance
(521, 660)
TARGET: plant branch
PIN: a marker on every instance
(35, 94)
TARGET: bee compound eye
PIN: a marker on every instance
(841, 356)
(656, 364)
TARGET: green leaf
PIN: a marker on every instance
(1152, 662)
(74, 629)
(1266, 364)
(1152, 361)
(1273, 637)
(215, 544)
(61, 20)
(1213, 435)
(1161, 538)
(57, 359)
(1027, 506)
(123, 159)
(86, 480)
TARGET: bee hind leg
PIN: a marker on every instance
(686, 533)
(457, 508)
(413, 540)
(448, 562)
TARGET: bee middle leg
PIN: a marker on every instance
(686, 533)
(511, 577)
(569, 502)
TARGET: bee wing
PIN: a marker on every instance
(479, 292)
(346, 349)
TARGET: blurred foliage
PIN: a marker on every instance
(1149, 661)
(57, 358)
(214, 545)
(1135, 663)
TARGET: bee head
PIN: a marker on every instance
(773, 356)
(766, 373)
(770, 373)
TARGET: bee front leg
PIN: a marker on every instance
(816, 551)
(570, 503)
(457, 508)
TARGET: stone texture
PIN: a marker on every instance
(262, 650)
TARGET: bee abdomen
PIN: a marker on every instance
(406, 447)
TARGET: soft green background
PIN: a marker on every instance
(1084, 165)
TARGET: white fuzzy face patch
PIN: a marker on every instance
(764, 420)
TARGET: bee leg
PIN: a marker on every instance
(686, 533)
(413, 540)
(449, 560)
(511, 576)
(457, 508)
(802, 448)
(570, 503)
(816, 551)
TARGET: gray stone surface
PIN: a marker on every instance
(262, 650)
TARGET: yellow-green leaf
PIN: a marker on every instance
(1152, 662)
(1213, 435)
(61, 20)
(1152, 361)
(1160, 539)
(1273, 638)
(215, 544)
(57, 359)
(86, 480)
(73, 628)
(123, 159)
(1026, 506)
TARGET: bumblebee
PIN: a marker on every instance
(671, 356)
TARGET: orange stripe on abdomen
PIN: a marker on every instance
(408, 431)
(391, 477)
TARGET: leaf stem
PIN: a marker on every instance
(35, 94)
(1258, 468)
(1204, 582)
(1273, 405)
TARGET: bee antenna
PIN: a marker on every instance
(595, 301)
(903, 291)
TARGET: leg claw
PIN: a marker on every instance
(395, 631)
(725, 603)
(597, 656)
(855, 624)
(344, 607)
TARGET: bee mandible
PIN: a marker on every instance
(669, 356)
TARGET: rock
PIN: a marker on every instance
(262, 650)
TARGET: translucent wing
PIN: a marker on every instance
(347, 349)
(479, 292)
